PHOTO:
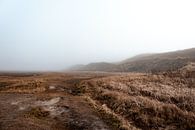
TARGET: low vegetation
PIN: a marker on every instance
(110, 101)
(37, 112)
(161, 101)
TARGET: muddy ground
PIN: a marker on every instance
(95, 101)
(46, 101)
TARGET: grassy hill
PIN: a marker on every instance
(146, 62)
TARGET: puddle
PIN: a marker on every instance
(55, 111)
(21, 103)
(15, 103)
(51, 106)
(49, 102)
(21, 108)
(52, 87)
(48, 105)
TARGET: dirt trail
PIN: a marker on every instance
(59, 107)
(97, 101)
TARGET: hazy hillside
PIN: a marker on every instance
(146, 62)
(137, 57)
(101, 66)
(161, 62)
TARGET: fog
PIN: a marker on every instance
(56, 34)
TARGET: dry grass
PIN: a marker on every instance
(149, 101)
(37, 112)
(121, 101)
(114, 120)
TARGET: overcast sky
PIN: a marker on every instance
(55, 34)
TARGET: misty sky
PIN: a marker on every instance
(55, 34)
